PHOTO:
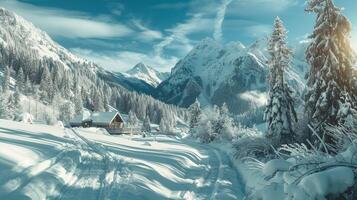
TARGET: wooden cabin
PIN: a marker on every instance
(112, 121)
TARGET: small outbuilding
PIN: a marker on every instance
(112, 121)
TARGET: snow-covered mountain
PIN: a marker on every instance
(21, 38)
(129, 82)
(16, 32)
(61, 77)
(215, 74)
(147, 74)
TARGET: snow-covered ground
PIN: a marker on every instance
(45, 162)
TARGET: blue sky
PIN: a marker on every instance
(119, 34)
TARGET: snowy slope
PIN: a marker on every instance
(16, 31)
(128, 82)
(215, 74)
(19, 36)
(146, 73)
(43, 162)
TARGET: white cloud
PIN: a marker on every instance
(179, 34)
(217, 34)
(146, 34)
(70, 24)
(125, 60)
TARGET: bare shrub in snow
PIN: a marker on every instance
(215, 124)
(252, 144)
(49, 118)
(305, 172)
(342, 136)
(253, 147)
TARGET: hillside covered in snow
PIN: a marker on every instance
(45, 162)
(41, 69)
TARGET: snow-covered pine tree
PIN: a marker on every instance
(330, 98)
(3, 106)
(46, 86)
(78, 105)
(227, 130)
(98, 104)
(6, 80)
(106, 103)
(13, 105)
(163, 125)
(20, 80)
(28, 87)
(146, 125)
(132, 119)
(66, 85)
(66, 111)
(17, 102)
(195, 112)
(280, 112)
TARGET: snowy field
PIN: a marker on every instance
(44, 162)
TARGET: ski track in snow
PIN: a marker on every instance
(92, 166)
(105, 169)
(220, 175)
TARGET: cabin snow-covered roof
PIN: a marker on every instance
(103, 117)
(97, 118)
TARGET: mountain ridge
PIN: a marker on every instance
(146, 73)
(216, 74)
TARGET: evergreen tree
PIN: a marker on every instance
(132, 119)
(28, 87)
(163, 126)
(66, 111)
(6, 80)
(146, 125)
(98, 104)
(46, 86)
(13, 105)
(66, 86)
(280, 112)
(330, 98)
(3, 107)
(20, 80)
(106, 103)
(78, 105)
(195, 112)
(17, 99)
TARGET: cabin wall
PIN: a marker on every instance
(116, 125)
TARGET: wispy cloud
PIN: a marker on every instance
(70, 24)
(217, 34)
(146, 34)
(179, 34)
(124, 60)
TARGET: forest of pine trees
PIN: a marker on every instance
(66, 89)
